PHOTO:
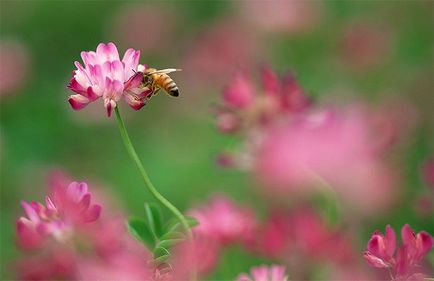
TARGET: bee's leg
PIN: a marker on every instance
(143, 86)
(155, 92)
(155, 88)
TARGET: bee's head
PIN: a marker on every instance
(146, 78)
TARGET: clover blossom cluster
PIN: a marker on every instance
(105, 76)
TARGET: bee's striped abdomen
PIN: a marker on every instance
(169, 85)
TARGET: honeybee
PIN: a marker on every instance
(156, 80)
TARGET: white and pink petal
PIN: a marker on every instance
(107, 52)
(374, 260)
(76, 191)
(130, 61)
(109, 105)
(30, 212)
(134, 102)
(78, 102)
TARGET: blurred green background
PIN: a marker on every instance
(176, 138)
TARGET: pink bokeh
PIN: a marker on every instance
(14, 67)
(331, 148)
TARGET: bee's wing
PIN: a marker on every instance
(166, 71)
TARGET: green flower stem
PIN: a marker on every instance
(132, 152)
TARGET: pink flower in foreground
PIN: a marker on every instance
(264, 273)
(97, 246)
(403, 261)
(223, 221)
(105, 75)
(120, 266)
(59, 264)
(62, 211)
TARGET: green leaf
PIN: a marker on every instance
(173, 235)
(160, 251)
(140, 230)
(192, 222)
(161, 259)
(161, 255)
(153, 215)
(175, 225)
(169, 243)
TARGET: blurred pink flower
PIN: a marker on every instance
(227, 122)
(102, 248)
(244, 108)
(302, 234)
(273, 238)
(264, 273)
(314, 238)
(327, 148)
(280, 15)
(114, 254)
(58, 264)
(403, 261)
(105, 75)
(294, 147)
(14, 67)
(223, 221)
(68, 209)
(200, 256)
(239, 94)
(122, 266)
